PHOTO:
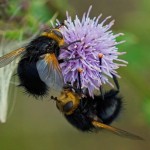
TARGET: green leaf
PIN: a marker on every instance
(146, 109)
(14, 34)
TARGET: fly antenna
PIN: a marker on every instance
(54, 98)
(67, 45)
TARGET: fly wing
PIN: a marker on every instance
(8, 58)
(50, 72)
(117, 131)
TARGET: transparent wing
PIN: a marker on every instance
(50, 72)
(8, 58)
(117, 131)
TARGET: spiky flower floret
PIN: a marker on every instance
(95, 57)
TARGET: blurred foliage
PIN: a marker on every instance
(146, 109)
(138, 60)
(21, 19)
(138, 71)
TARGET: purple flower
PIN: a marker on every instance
(95, 57)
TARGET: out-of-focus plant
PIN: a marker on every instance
(5, 77)
(146, 109)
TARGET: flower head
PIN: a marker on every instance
(95, 57)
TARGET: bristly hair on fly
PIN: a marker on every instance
(95, 58)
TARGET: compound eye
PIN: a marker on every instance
(68, 106)
(58, 34)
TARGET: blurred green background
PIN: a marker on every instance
(37, 124)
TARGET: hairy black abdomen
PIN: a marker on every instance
(109, 108)
(29, 78)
